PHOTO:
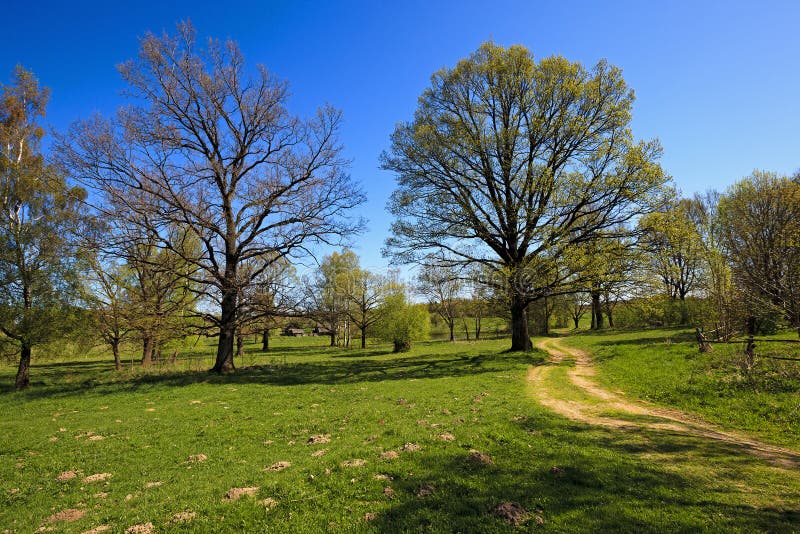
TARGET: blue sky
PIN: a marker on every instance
(716, 82)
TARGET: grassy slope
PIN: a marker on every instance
(368, 402)
(665, 367)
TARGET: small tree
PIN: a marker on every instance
(401, 321)
(442, 287)
(40, 217)
(366, 292)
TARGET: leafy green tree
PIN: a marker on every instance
(509, 163)
(759, 220)
(677, 253)
(327, 293)
(40, 216)
(402, 322)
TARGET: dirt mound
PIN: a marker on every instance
(183, 517)
(355, 462)
(319, 438)
(278, 466)
(98, 477)
(71, 514)
(66, 475)
(511, 512)
(478, 458)
(197, 458)
(234, 494)
(389, 455)
(142, 528)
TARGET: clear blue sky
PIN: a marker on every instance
(718, 83)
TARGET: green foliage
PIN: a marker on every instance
(40, 215)
(402, 322)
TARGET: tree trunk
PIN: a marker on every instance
(333, 337)
(452, 324)
(239, 345)
(363, 338)
(520, 340)
(24, 370)
(597, 311)
(227, 334)
(147, 350)
(684, 311)
(265, 340)
(115, 352)
(477, 327)
(402, 345)
(610, 316)
(576, 320)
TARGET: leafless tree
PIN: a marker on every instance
(207, 148)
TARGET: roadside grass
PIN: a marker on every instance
(447, 399)
(664, 366)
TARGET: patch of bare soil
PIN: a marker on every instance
(197, 458)
(142, 528)
(355, 462)
(581, 377)
(153, 484)
(425, 490)
(317, 454)
(389, 455)
(411, 447)
(183, 517)
(278, 466)
(234, 494)
(479, 458)
(511, 512)
(99, 477)
(269, 503)
(319, 438)
(98, 529)
(446, 436)
(66, 475)
(71, 514)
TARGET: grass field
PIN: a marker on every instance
(664, 366)
(347, 440)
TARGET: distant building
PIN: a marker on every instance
(321, 331)
(294, 332)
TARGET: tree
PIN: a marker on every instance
(759, 221)
(327, 290)
(677, 254)
(366, 292)
(442, 287)
(108, 298)
(401, 321)
(40, 215)
(214, 150)
(509, 163)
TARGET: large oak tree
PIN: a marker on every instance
(509, 162)
(210, 149)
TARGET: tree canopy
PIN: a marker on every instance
(509, 162)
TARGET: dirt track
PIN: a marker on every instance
(560, 398)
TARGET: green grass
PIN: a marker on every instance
(664, 366)
(368, 402)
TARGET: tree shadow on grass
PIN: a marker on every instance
(327, 371)
(602, 481)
